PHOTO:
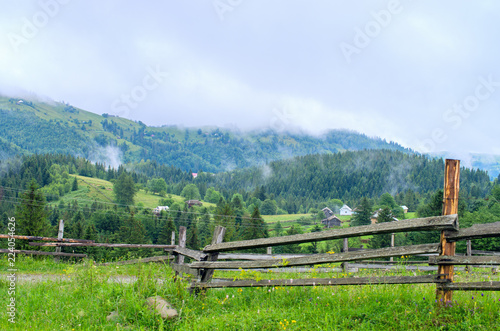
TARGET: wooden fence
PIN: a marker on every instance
(214, 256)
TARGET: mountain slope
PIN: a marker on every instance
(38, 127)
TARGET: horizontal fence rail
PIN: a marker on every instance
(325, 281)
(321, 258)
(464, 260)
(449, 222)
(472, 286)
(17, 251)
(63, 244)
(65, 240)
(477, 231)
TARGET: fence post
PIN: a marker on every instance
(218, 237)
(270, 250)
(179, 259)
(450, 207)
(469, 253)
(392, 245)
(172, 241)
(60, 235)
(346, 249)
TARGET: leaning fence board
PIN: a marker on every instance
(465, 260)
(183, 268)
(197, 255)
(324, 281)
(257, 257)
(42, 253)
(476, 252)
(64, 240)
(449, 222)
(144, 260)
(473, 286)
(321, 258)
(63, 244)
(476, 231)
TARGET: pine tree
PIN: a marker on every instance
(74, 187)
(124, 189)
(256, 227)
(167, 227)
(30, 214)
(363, 213)
(382, 240)
(192, 240)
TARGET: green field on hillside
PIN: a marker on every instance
(100, 190)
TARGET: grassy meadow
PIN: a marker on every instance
(79, 296)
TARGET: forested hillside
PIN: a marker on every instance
(348, 176)
(36, 127)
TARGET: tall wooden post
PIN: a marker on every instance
(217, 238)
(392, 245)
(60, 235)
(450, 207)
(345, 265)
(179, 259)
(182, 242)
(172, 240)
(469, 253)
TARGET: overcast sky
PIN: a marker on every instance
(425, 74)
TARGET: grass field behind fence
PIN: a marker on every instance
(80, 296)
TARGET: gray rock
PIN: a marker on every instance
(162, 307)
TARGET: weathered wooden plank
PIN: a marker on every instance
(464, 260)
(323, 281)
(42, 253)
(64, 240)
(472, 286)
(476, 231)
(143, 260)
(491, 253)
(197, 255)
(218, 237)
(64, 244)
(184, 268)
(257, 257)
(322, 258)
(182, 244)
(450, 207)
(449, 222)
(60, 235)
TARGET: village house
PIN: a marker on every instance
(191, 203)
(331, 220)
(158, 210)
(405, 209)
(346, 211)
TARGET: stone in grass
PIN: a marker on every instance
(113, 316)
(162, 307)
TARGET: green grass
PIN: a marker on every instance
(282, 218)
(84, 295)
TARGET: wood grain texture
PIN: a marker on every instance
(321, 258)
(449, 222)
(323, 282)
